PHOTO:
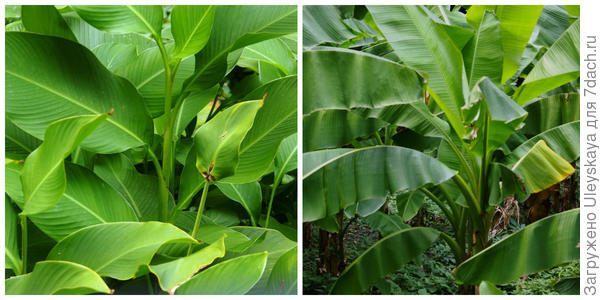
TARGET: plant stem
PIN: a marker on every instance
(389, 132)
(149, 282)
(443, 207)
(163, 190)
(275, 185)
(378, 137)
(24, 244)
(200, 211)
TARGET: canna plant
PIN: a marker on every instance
(140, 144)
(472, 107)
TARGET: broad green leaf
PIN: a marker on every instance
(385, 224)
(346, 79)
(517, 23)
(220, 139)
(12, 11)
(140, 190)
(17, 143)
(234, 241)
(546, 243)
(234, 29)
(483, 54)
(553, 21)
(12, 258)
(218, 279)
(117, 249)
(266, 240)
(540, 167)
(43, 72)
(46, 20)
(286, 158)
(57, 278)
(323, 24)
(249, 195)
(487, 288)
(115, 55)
(43, 175)
(572, 10)
(178, 271)
(191, 26)
(409, 204)
(372, 171)
(425, 46)
(563, 139)
(86, 201)
(550, 112)
(558, 66)
(275, 121)
(284, 277)
(568, 286)
(190, 107)
(147, 74)
(502, 114)
(384, 257)
(191, 181)
(273, 51)
(123, 18)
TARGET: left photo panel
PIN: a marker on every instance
(150, 149)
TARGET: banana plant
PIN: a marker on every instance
(140, 144)
(490, 91)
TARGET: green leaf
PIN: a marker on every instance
(221, 137)
(409, 204)
(323, 24)
(553, 21)
(140, 190)
(385, 224)
(546, 243)
(43, 71)
(249, 195)
(275, 121)
(284, 277)
(43, 174)
(118, 249)
(558, 66)
(286, 158)
(384, 257)
(191, 26)
(17, 143)
(190, 107)
(274, 52)
(217, 280)
(568, 286)
(46, 20)
(483, 54)
(517, 23)
(487, 288)
(86, 201)
(540, 167)
(57, 278)
(234, 240)
(114, 55)
(178, 271)
(123, 18)
(424, 45)
(370, 170)
(550, 112)
(12, 258)
(147, 73)
(563, 139)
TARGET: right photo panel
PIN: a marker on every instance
(441, 149)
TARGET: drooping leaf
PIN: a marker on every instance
(424, 45)
(540, 167)
(546, 243)
(558, 66)
(249, 195)
(323, 24)
(517, 23)
(284, 277)
(563, 139)
(12, 258)
(483, 54)
(176, 272)
(220, 139)
(287, 156)
(568, 286)
(384, 257)
(79, 85)
(487, 288)
(274, 52)
(191, 26)
(372, 171)
(217, 280)
(123, 18)
(43, 175)
(550, 112)
(57, 278)
(46, 20)
(117, 249)
(17, 143)
(409, 204)
(190, 107)
(86, 201)
(553, 21)
(386, 224)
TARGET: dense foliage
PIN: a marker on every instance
(473, 108)
(151, 149)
